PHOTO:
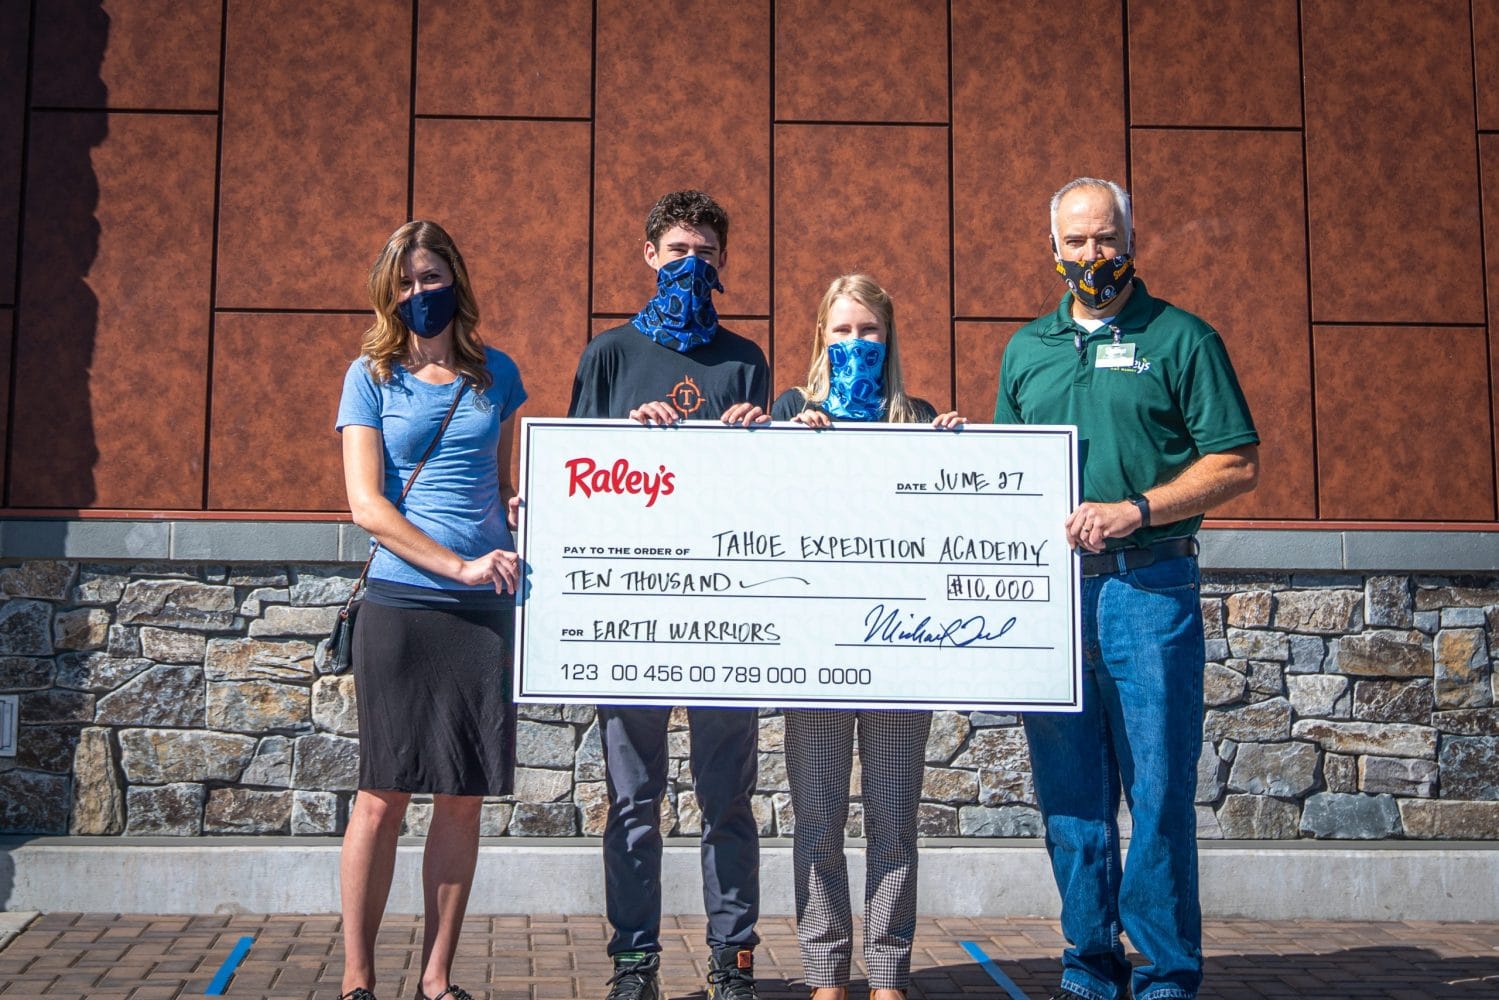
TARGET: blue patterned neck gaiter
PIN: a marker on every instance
(681, 316)
(856, 379)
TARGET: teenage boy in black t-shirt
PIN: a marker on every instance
(675, 361)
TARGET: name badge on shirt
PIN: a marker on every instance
(1115, 356)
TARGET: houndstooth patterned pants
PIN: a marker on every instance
(819, 760)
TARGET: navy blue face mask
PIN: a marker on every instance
(428, 313)
(681, 315)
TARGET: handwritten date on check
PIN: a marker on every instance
(885, 565)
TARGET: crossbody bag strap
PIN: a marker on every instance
(447, 418)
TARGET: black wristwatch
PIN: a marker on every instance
(1143, 506)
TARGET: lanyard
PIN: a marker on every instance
(1078, 339)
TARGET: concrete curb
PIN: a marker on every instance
(1008, 878)
(13, 922)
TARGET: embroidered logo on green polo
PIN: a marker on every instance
(1137, 367)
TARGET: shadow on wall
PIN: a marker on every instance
(8, 870)
(52, 445)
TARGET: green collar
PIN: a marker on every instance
(1137, 314)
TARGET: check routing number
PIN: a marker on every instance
(862, 565)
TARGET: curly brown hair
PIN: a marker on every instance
(687, 208)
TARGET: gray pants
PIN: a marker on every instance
(723, 742)
(819, 760)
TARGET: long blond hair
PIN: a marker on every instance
(385, 342)
(867, 292)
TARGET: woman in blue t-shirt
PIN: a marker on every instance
(855, 375)
(434, 638)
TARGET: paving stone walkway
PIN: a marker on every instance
(72, 956)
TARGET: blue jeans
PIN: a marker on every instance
(1140, 731)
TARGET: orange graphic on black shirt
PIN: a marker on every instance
(686, 397)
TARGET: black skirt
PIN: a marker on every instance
(433, 687)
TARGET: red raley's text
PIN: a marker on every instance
(584, 474)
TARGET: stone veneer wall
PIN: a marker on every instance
(179, 698)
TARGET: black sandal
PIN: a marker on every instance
(453, 991)
(357, 993)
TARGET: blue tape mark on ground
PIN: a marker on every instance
(221, 981)
(990, 966)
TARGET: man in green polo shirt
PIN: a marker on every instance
(1164, 434)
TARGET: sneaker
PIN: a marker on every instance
(731, 974)
(1063, 993)
(635, 976)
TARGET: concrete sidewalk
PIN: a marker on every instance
(71, 956)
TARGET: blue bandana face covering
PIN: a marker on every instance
(428, 313)
(681, 316)
(856, 379)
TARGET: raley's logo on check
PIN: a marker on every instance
(585, 476)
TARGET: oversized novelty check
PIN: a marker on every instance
(880, 566)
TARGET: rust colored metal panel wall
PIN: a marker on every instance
(7, 326)
(1381, 392)
(861, 61)
(1391, 163)
(521, 58)
(1488, 147)
(1486, 61)
(506, 191)
(675, 114)
(1196, 212)
(1029, 114)
(316, 148)
(112, 331)
(140, 54)
(191, 194)
(979, 347)
(1214, 62)
(276, 378)
(873, 199)
(14, 18)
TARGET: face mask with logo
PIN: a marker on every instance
(856, 379)
(1097, 283)
(428, 313)
(681, 315)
